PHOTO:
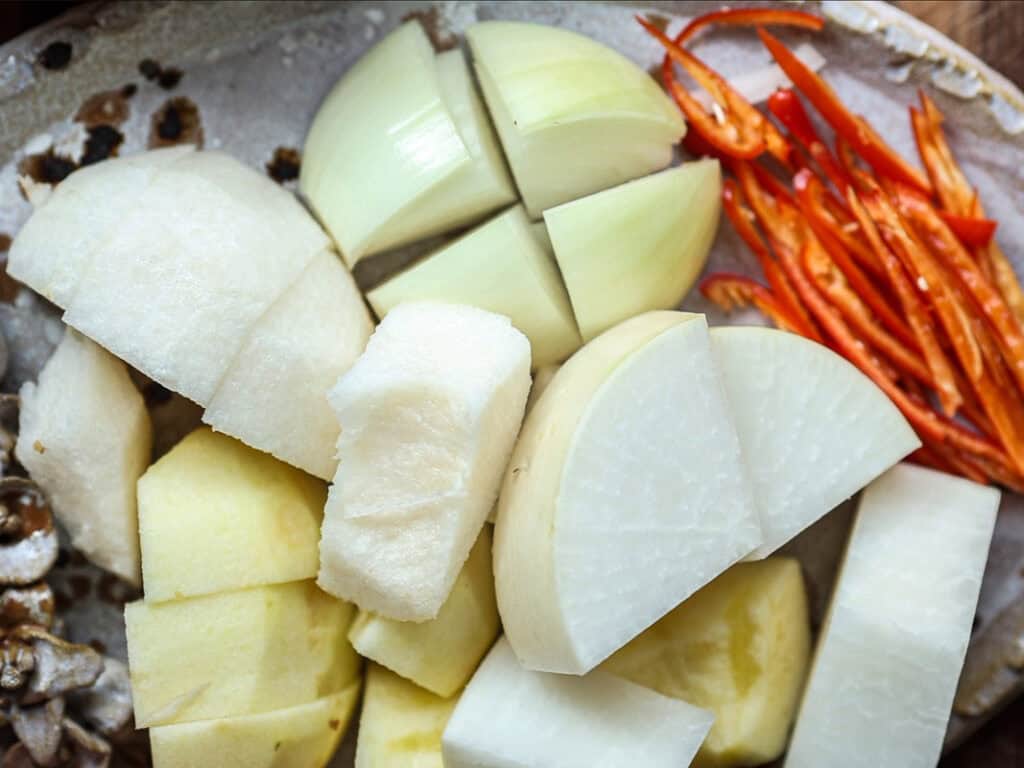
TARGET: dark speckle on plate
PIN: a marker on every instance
(176, 122)
(56, 55)
(284, 165)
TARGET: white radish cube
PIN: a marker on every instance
(502, 267)
(510, 717)
(401, 149)
(274, 394)
(625, 495)
(574, 116)
(428, 417)
(180, 281)
(638, 246)
(813, 428)
(57, 243)
(889, 656)
(85, 437)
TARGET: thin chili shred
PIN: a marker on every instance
(893, 267)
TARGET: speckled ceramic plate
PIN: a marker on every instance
(252, 75)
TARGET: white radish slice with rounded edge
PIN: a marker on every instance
(179, 284)
(814, 430)
(500, 266)
(625, 495)
(428, 417)
(274, 394)
(573, 116)
(636, 247)
(510, 717)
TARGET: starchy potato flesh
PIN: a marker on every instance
(401, 724)
(216, 515)
(890, 653)
(401, 149)
(440, 654)
(85, 437)
(638, 246)
(574, 116)
(274, 394)
(509, 717)
(237, 653)
(814, 430)
(500, 266)
(738, 648)
(174, 289)
(56, 244)
(303, 736)
(428, 417)
(629, 456)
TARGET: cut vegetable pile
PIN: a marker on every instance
(608, 618)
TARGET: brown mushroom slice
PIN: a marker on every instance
(28, 540)
(17, 660)
(27, 605)
(107, 704)
(60, 666)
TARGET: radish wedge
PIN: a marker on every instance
(574, 116)
(637, 247)
(898, 624)
(612, 514)
(510, 716)
(814, 430)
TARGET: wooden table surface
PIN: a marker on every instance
(991, 29)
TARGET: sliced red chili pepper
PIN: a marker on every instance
(786, 106)
(916, 313)
(972, 232)
(811, 195)
(926, 421)
(738, 129)
(730, 292)
(1009, 333)
(855, 129)
(951, 186)
(751, 17)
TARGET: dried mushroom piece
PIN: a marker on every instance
(87, 750)
(27, 605)
(17, 662)
(28, 539)
(107, 704)
(60, 666)
(17, 756)
(40, 729)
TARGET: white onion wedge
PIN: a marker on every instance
(500, 266)
(428, 415)
(509, 717)
(401, 149)
(274, 394)
(637, 247)
(890, 653)
(574, 116)
(85, 437)
(814, 430)
(626, 493)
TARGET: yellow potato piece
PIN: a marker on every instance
(304, 736)
(401, 724)
(441, 654)
(738, 647)
(237, 653)
(216, 515)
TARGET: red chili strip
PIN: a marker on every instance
(750, 17)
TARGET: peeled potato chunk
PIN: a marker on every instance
(303, 736)
(440, 654)
(510, 716)
(502, 267)
(237, 653)
(85, 438)
(215, 515)
(274, 394)
(814, 429)
(636, 247)
(401, 149)
(625, 495)
(739, 647)
(428, 417)
(401, 724)
(574, 116)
